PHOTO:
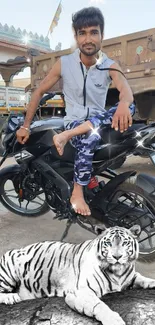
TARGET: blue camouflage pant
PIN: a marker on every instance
(86, 144)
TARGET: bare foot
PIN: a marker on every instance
(80, 206)
(78, 202)
(60, 141)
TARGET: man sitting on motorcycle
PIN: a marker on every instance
(85, 87)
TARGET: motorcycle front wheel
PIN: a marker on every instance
(130, 205)
(28, 206)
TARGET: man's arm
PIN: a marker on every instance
(49, 81)
(122, 118)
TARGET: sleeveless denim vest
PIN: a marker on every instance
(85, 90)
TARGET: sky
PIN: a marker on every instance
(121, 17)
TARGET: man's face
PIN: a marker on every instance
(89, 40)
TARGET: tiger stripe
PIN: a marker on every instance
(61, 255)
(79, 261)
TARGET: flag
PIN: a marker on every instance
(56, 18)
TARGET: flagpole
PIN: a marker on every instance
(54, 17)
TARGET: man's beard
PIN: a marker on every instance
(90, 52)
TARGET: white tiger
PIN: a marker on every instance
(82, 273)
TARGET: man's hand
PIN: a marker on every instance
(22, 135)
(122, 118)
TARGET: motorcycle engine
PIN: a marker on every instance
(30, 187)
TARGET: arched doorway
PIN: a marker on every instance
(22, 79)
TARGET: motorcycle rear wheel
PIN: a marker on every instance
(138, 209)
(10, 200)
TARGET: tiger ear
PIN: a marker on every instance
(136, 230)
(99, 229)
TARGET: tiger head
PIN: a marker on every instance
(117, 245)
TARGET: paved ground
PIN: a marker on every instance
(16, 231)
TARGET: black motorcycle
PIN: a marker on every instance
(43, 180)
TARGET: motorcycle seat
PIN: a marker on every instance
(112, 141)
(55, 123)
(107, 133)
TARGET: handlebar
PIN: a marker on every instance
(49, 96)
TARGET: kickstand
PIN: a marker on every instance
(68, 225)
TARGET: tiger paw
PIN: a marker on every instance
(9, 298)
(117, 319)
(112, 318)
(150, 285)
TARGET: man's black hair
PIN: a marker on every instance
(88, 17)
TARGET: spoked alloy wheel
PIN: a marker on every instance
(30, 205)
(130, 205)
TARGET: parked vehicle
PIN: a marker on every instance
(135, 53)
(49, 105)
(43, 180)
(13, 99)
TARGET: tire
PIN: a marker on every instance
(1, 143)
(147, 254)
(11, 204)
